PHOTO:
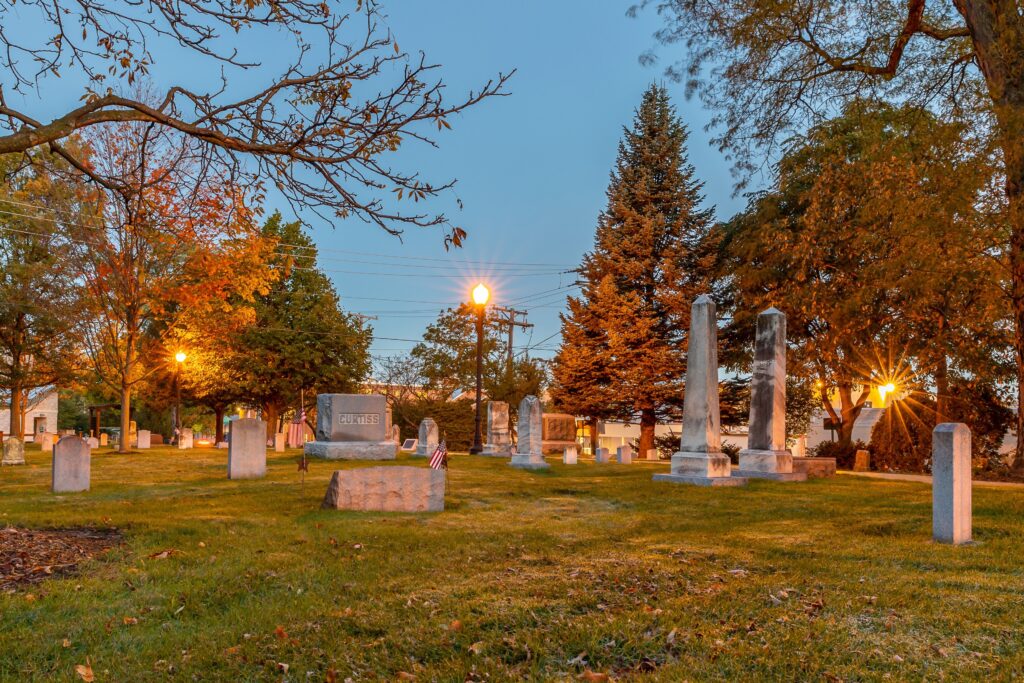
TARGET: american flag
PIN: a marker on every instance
(439, 460)
(297, 429)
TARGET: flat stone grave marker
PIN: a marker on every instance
(351, 427)
(409, 445)
(427, 443)
(247, 450)
(529, 452)
(386, 489)
(279, 440)
(14, 452)
(951, 483)
(142, 439)
(569, 456)
(71, 465)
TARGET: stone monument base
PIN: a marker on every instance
(772, 476)
(773, 465)
(553, 446)
(352, 450)
(815, 468)
(529, 461)
(495, 451)
(701, 469)
(386, 489)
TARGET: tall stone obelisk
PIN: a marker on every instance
(700, 459)
(766, 455)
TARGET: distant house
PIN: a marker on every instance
(40, 414)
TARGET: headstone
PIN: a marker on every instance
(386, 489)
(279, 440)
(47, 441)
(92, 441)
(800, 446)
(558, 430)
(104, 438)
(14, 452)
(142, 439)
(427, 443)
(396, 433)
(700, 459)
(499, 441)
(766, 455)
(862, 461)
(247, 450)
(71, 465)
(601, 455)
(351, 427)
(529, 453)
(653, 454)
(569, 455)
(624, 454)
(951, 483)
(185, 438)
(409, 445)
(815, 468)
(156, 439)
(222, 444)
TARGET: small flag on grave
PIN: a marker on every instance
(439, 460)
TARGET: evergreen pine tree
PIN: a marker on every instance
(623, 339)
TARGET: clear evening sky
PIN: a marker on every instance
(532, 168)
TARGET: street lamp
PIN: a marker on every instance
(180, 357)
(885, 389)
(480, 296)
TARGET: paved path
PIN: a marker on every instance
(926, 479)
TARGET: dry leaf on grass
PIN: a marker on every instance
(589, 675)
(164, 554)
(84, 671)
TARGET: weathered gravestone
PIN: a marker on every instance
(387, 489)
(766, 455)
(558, 430)
(14, 452)
(652, 454)
(104, 439)
(71, 465)
(529, 452)
(351, 427)
(92, 441)
(185, 438)
(279, 441)
(862, 461)
(47, 441)
(396, 434)
(624, 454)
(815, 468)
(142, 439)
(428, 439)
(951, 483)
(569, 455)
(499, 440)
(247, 450)
(601, 455)
(700, 459)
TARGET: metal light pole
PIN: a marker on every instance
(180, 357)
(480, 296)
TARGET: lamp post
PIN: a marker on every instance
(480, 296)
(180, 357)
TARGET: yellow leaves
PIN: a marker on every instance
(130, 621)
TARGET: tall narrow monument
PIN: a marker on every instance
(529, 453)
(766, 456)
(700, 459)
(499, 443)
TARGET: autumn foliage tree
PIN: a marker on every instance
(169, 243)
(651, 259)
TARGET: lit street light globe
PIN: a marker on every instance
(890, 388)
(180, 356)
(480, 294)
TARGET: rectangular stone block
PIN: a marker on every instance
(351, 450)
(700, 481)
(279, 441)
(624, 454)
(815, 468)
(104, 439)
(71, 465)
(351, 417)
(47, 441)
(558, 430)
(499, 439)
(14, 452)
(951, 483)
(569, 455)
(862, 461)
(601, 455)
(185, 439)
(387, 489)
(143, 439)
(653, 454)
(247, 449)
(705, 465)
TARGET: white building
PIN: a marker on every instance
(40, 414)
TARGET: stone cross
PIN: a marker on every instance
(700, 459)
(247, 450)
(951, 483)
(765, 456)
(14, 452)
(529, 453)
(499, 441)
(428, 438)
(71, 465)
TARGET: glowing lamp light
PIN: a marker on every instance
(180, 356)
(884, 389)
(890, 388)
(480, 294)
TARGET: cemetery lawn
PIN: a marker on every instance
(582, 572)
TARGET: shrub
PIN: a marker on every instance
(844, 455)
(733, 451)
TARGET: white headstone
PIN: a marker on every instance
(428, 439)
(624, 454)
(47, 441)
(247, 450)
(529, 452)
(652, 454)
(601, 455)
(143, 439)
(499, 441)
(71, 465)
(700, 459)
(92, 441)
(185, 438)
(14, 452)
(279, 440)
(766, 456)
(569, 455)
(396, 433)
(951, 483)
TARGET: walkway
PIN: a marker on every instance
(926, 479)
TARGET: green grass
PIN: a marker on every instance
(525, 575)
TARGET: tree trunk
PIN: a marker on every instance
(17, 428)
(942, 391)
(648, 420)
(270, 414)
(126, 417)
(594, 438)
(218, 413)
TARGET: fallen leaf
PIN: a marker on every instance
(84, 671)
(280, 633)
(130, 621)
(282, 667)
(163, 554)
(30, 597)
(406, 676)
(589, 675)
(66, 643)
(671, 637)
(477, 647)
(201, 544)
(578, 659)
(455, 625)
(331, 676)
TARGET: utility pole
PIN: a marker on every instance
(511, 318)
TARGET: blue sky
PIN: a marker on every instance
(532, 168)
